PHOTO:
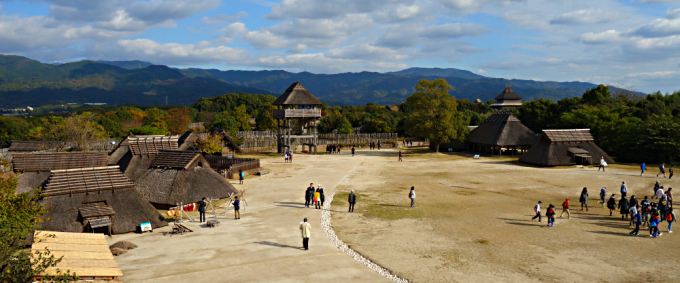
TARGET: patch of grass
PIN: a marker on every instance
(341, 198)
(389, 211)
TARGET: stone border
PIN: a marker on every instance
(326, 225)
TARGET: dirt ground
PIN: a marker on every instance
(472, 222)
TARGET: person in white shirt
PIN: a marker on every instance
(537, 209)
(602, 164)
(412, 196)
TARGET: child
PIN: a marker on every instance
(670, 218)
(317, 199)
(400, 156)
(237, 207)
(654, 227)
(662, 170)
(551, 216)
(603, 193)
(643, 167)
(285, 156)
(670, 172)
(290, 158)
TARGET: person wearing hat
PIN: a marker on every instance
(352, 199)
(565, 208)
(306, 230)
(537, 210)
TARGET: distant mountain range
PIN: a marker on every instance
(27, 82)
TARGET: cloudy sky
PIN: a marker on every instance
(635, 43)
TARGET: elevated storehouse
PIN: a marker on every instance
(507, 99)
(501, 131)
(565, 147)
(297, 113)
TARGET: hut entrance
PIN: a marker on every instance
(581, 156)
(97, 216)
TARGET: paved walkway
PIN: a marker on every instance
(265, 245)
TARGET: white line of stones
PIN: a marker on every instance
(326, 225)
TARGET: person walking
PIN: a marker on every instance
(352, 199)
(241, 176)
(602, 164)
(317, 199)
(306, 230)
(412, 196)
(237, 208)
(321, 194)
(290, 157)
(670, 172)
(669, 194)
(584, 198)
(624, 189)
(339, 148)
(309, 193)
(400, 156)
(565, 208)
(379, 145)
(658, 193)
(637, 220)
(643, 168)
(654, 227)
(537, 210)
(550, 214)
(662, 170)
(657, 186)
(285, 157)
(353, 151)
(646, 208)
(201, 210)
(624, 207)
(611, 204)
(663, 206)
(633, 212)
(603, 194)
(671, 218)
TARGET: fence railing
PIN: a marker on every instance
(231, 166)
(296, 113)
(386, 139)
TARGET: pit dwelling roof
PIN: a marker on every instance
(508, 94)
(571, 135)
(46, 161)
(29, 146)
(84, 254)
(83, 180)
(297, 94)
(152, 144)
(175, 159)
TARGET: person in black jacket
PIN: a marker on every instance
(352, 151)
(201, 210)
(611, 204)
(322, 196)
(584, 198)
(624, 205)
(352, 200)
(309, 194)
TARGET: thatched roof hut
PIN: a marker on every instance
(502, 130)
(507, 99)
(565, 147)
(181, 176)
(296, 94)
(35, 146)
(35, 167)
(94, 198)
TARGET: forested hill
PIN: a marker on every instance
(27, 82)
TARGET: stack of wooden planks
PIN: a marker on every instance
(152, 144)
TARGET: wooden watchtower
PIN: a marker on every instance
(297, 112)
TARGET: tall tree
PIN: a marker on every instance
(178, 121)
(265, 120)
(434, 115)
(79, 128)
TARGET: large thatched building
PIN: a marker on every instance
(507, 99)
(98, 199)
(181, 176)
(500, 131)
(565, 147)
(297, 115)
(34, 168)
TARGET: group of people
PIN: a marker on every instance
(372, 145)
(646, 212)
(333, 149)
(288, 156)
(662, 170)
(314, 196)
(407, 142)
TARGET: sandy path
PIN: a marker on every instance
(265, 245)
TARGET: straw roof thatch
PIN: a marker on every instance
(507, 94)
(186, 140)
(140, 145)
(565, 147)
(69, 192)
(503, 129)
(46, 161)
(86, 255)
(188, 183)
(27, 181)
(297, 94)
(32, 146)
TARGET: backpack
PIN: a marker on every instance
(669, 217)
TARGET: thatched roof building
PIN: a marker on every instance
(181, 176)
(35, 167)
(35, 146)
(296, 94)
(86, 255)
(502, 130)
(507, 99)
(565, 147)
(95, 198)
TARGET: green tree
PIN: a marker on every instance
(597, 95)
(242, 118)
(224, 121)
(147, 130)
(82, 129)
(265, 120)
(434, 114)
(155, 118)
(344, 127)
(20, 215)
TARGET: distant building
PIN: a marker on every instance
(95, 104)
(507, 99)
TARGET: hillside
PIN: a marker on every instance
(27, 82)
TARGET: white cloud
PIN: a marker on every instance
(480, 71)
(610, 36)
(653, 75)
(581, 17)
(659, 2)
(659, 28)
(177, 54)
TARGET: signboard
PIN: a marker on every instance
(476, 156)
(146, 227)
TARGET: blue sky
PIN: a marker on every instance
(629, 43)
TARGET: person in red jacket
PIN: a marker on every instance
(565, 208)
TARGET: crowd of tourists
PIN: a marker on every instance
(333, 149)
(314, 196)
(646, 213)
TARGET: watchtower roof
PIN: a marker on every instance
(297, 94)
(508, 94)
